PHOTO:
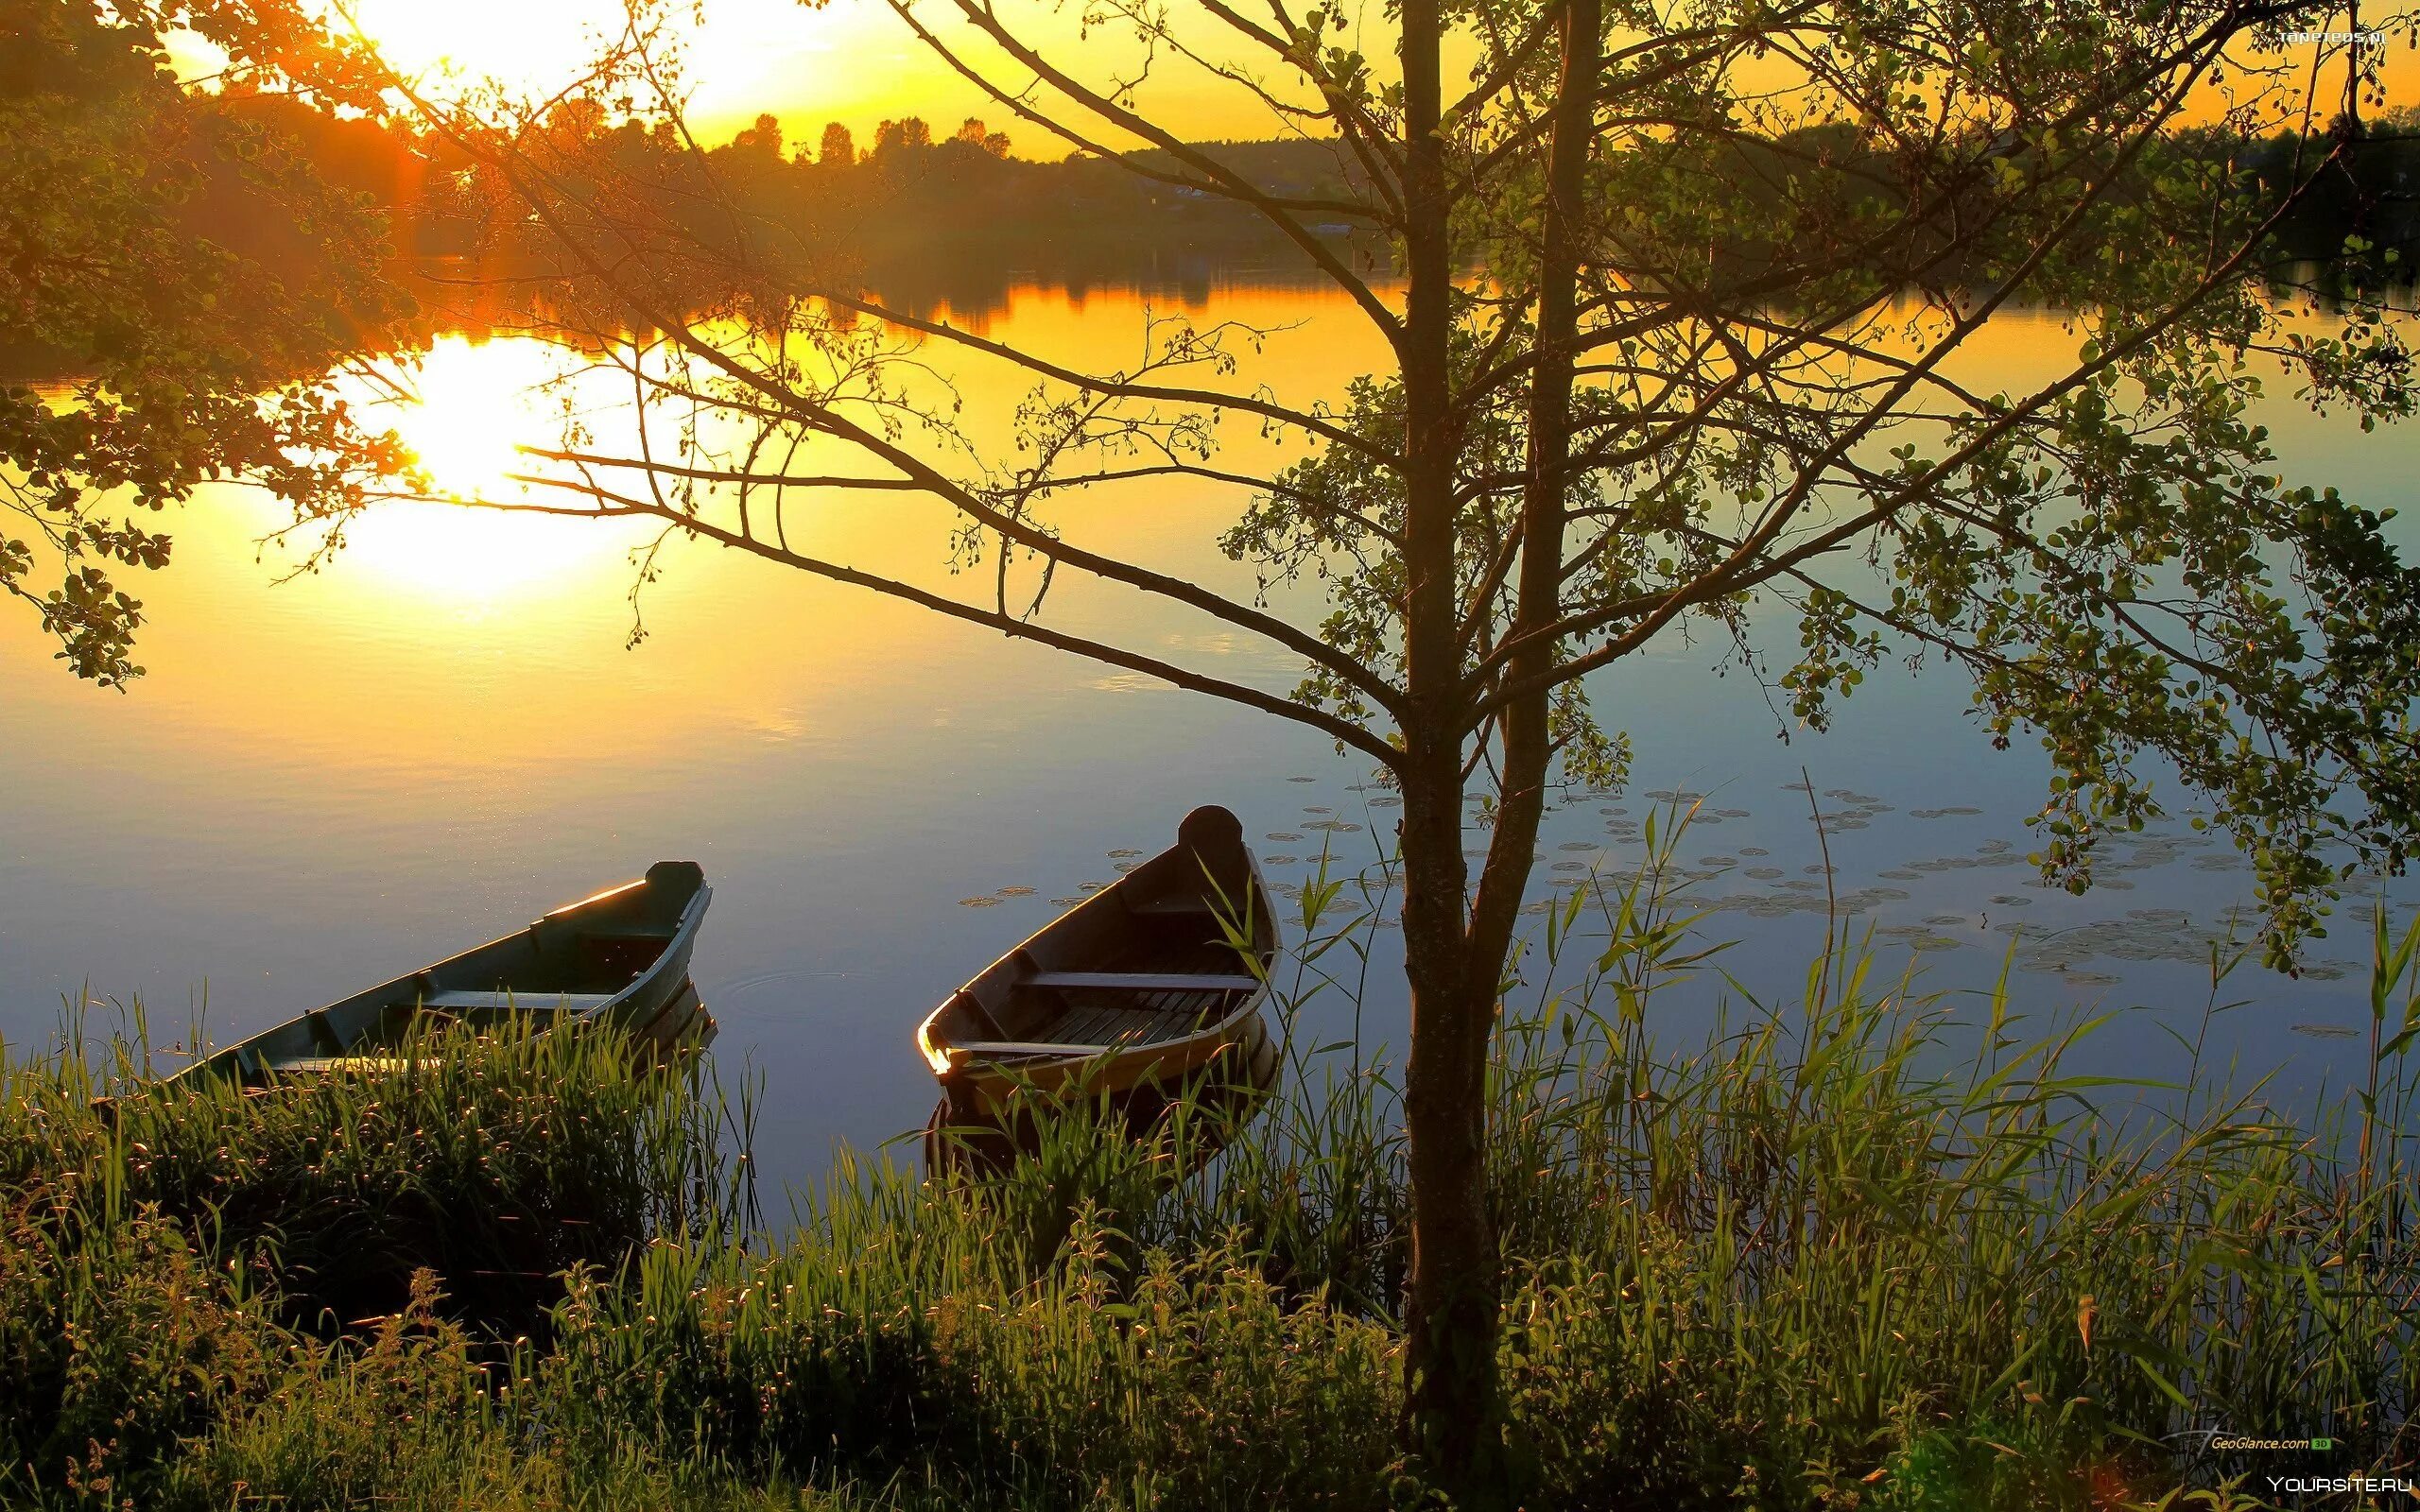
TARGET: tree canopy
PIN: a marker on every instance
(1679, 303)
(187, 278)
(1674, 298)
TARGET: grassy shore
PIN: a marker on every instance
(1833, 1255)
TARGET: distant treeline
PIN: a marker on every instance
(924, 217)
(920, 216)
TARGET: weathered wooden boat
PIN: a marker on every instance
(1140, 994)
(621, 956)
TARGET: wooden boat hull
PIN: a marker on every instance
(620, 956)
(983, 1125)
(1150, 991)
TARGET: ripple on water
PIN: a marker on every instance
(1576, 844)
(1114, 855)
(2327, 1031)
(1015, 892)
(1302, 778)
(987, 901)
(1282, 837)
(1335, 826)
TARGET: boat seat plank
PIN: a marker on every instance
(1026, 1047)
(526, 1002)
(1146, 981)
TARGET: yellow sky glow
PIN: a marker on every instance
(856, 61)
(851, 60)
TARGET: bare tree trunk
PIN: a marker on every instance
(1455, 1423)
(1528, 749)
(1451, 1417)
(1453, 964)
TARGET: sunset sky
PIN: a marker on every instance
(851, 60)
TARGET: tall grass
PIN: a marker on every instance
(1852, 1251)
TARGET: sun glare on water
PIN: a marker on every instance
(476, 403)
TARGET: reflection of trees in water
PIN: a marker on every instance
(974, 290)
(481, 300)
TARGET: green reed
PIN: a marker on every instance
(1855, 1251)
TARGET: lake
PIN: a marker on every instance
(326, 781)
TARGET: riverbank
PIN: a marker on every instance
(1795, 1265)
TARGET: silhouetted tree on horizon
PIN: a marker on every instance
(839, 148)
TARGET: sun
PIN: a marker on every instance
(525, 44)
(474, 404)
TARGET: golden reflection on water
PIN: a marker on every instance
(471, 405)
(443, 639)
(333, 780)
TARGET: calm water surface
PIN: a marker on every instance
(328, 781)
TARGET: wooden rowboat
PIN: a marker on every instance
(1138, 994)
(621, 957)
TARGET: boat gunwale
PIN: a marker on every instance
(969, 1073)
(678, 943)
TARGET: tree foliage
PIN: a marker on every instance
(187, 354)
(1682, 307)
(1682, 304)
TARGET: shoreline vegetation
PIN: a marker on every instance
(1848, 1252)
(1867, 1249)
(929, 221)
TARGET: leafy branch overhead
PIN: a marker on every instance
(1791, 227)
(187, 277)
(1690, 317)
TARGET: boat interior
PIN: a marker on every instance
(1146, 960)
